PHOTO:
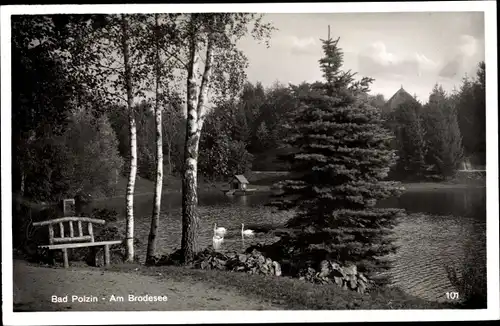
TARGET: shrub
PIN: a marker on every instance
(105, 214)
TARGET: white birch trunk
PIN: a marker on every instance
(133, 144)
(196, 111)
(189, 182)
(155, 218)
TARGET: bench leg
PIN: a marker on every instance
(52, 258)
(65, 257)
(106, 255)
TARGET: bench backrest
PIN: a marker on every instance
(65, 237)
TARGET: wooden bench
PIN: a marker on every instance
(64, 242)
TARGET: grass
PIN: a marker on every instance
(290, 293)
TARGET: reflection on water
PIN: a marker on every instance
(427, 243)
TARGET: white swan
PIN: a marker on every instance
(246, 233)
(217, 242)
(221, 232)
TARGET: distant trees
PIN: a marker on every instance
(443, 133)
(411, 139)
(377, 101)
(342, 156)
(223, 144)
(470, 102)
(433, 140)
(89, 155)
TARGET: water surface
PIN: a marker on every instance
(451, 229)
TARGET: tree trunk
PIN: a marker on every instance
(133, 144)
(155, 219)
(189, 182)
(196, 112)
(169, 158)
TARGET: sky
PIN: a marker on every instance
(413, 50)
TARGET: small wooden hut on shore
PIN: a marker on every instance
(238, 185)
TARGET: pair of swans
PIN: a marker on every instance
(220, 232)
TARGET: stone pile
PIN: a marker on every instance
(251, 263)
(346, 277)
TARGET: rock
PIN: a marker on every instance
(353, 284)
(336, 270)
(338, 280)
(264, 269)
(361, 288)
(350, 278)
(335, 266)
(242, 258)
(325, 268)
(277, 268)
(361, 276)
(350, 270)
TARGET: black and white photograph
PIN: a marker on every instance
(246, 163)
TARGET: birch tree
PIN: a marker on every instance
(163, 76)
(222, 74)
(133, 140)
(113, 68)
(155, 218)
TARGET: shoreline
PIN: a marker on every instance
(256, 189)
(409, 186)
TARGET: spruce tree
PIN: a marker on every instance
(341, 156)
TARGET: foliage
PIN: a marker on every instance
(92, 161)
(410, 135)
(377, 101)
(470, 101)
(342, 156)
(222, 153)
(42, 92)
(109, 215)
(443, 133)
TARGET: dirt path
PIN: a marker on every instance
(35, 285)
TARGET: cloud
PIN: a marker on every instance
(460, 57)
(376, 60)
(451, 68)
(305, 45)
(468, 45)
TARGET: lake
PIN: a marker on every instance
(427, 243)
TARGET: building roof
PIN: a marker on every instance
(241, 178)
(400, 97)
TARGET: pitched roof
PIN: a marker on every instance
(400, 97)
(241, 178)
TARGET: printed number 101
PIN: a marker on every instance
(452, 295)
